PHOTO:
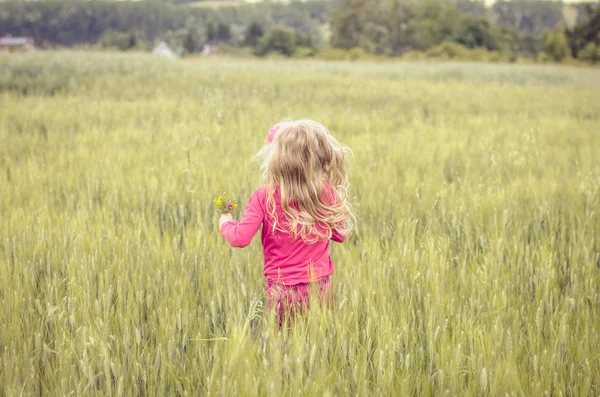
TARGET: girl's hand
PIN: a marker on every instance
(224, 219)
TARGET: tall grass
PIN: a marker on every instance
(475, 269)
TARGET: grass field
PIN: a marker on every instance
(475, 269)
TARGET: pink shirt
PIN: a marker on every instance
(285, 261)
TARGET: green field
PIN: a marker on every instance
(475, 269)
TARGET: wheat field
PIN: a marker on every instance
(475, 269)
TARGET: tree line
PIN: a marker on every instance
(71, 23)
(520, 28)
(417, 28)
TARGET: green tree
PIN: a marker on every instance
(399, 16)
(67, 23)
(477, 32)
(432, 23)
(474, 8)
(586, 32)
(556, 46)
(362, 24)
(190, 44)
(223, 32)
(517, 43)
(132, 41)
(303, 39)
(531, 17)
(347, 23)
(211, 31)
(280, 40)
(253, 34)
(591, 53)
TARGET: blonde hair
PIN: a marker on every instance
(300, 160)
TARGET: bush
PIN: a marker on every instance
(544, 58)
(333, 54)
(448, 50)
(480, 54)
(414, 56)
(590, 53)
(228, 49)
(119, 40)
(451, 50)
(304, 52)
(280, 40)
(495, 56)
(356, 53)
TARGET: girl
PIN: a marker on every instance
(301, 208)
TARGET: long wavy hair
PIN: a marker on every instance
(300, 162)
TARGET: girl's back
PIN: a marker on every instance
(287, 260)
(301, 208)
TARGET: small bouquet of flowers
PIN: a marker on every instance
(224, 204)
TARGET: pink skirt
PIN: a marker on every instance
(290, 300)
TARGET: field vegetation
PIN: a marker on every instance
(475, 269)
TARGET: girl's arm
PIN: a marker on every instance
(240, 234)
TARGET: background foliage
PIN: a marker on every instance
(515, 29)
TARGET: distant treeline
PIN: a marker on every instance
(69, 23)
(545, 30)
(523, 28)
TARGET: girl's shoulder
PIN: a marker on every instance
(260, 193)
(257, 199)
(261, 189)
(266, 189)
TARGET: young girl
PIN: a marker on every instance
(301, 208)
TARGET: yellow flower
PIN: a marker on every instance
(224, 205)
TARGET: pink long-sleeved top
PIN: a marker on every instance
(286, 261)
